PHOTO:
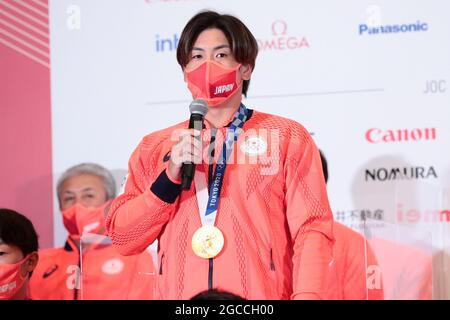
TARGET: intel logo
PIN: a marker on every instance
(166, 44)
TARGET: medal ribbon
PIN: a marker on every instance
(208, 217)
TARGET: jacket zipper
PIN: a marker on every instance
(75, 292)
(161, 264)
(272, 264)
(78, 271)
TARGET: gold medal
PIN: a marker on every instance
(207, 242)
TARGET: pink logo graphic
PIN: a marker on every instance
(281, 39)
(279, 27)
(377, 135)
(416, 215)
(24, 28)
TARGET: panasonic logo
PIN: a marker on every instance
(365, 29)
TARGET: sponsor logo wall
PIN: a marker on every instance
(369, 78)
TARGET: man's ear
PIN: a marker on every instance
(32, 261)
(246, 70)
(28, 266)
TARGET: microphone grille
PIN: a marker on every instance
(198, 106)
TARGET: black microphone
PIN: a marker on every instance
(198, 109)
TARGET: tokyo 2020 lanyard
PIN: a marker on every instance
(208, 209)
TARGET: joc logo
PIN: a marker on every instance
(281, 40)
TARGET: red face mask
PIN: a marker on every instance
(78, 219)
(11, 279)
(212, 82)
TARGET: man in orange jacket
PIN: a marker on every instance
(88, 266)
(264, 229)
(352, 258)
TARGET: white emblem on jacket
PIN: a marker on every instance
(254, 146)
(113, 266)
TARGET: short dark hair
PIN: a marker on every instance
(215, 294)
(242, 42)
(17, 230)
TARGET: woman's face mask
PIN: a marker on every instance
(212, 82)
(11, 279)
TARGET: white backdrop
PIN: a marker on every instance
(115, 79)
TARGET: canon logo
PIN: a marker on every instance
(376, 135)
(405, 173)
